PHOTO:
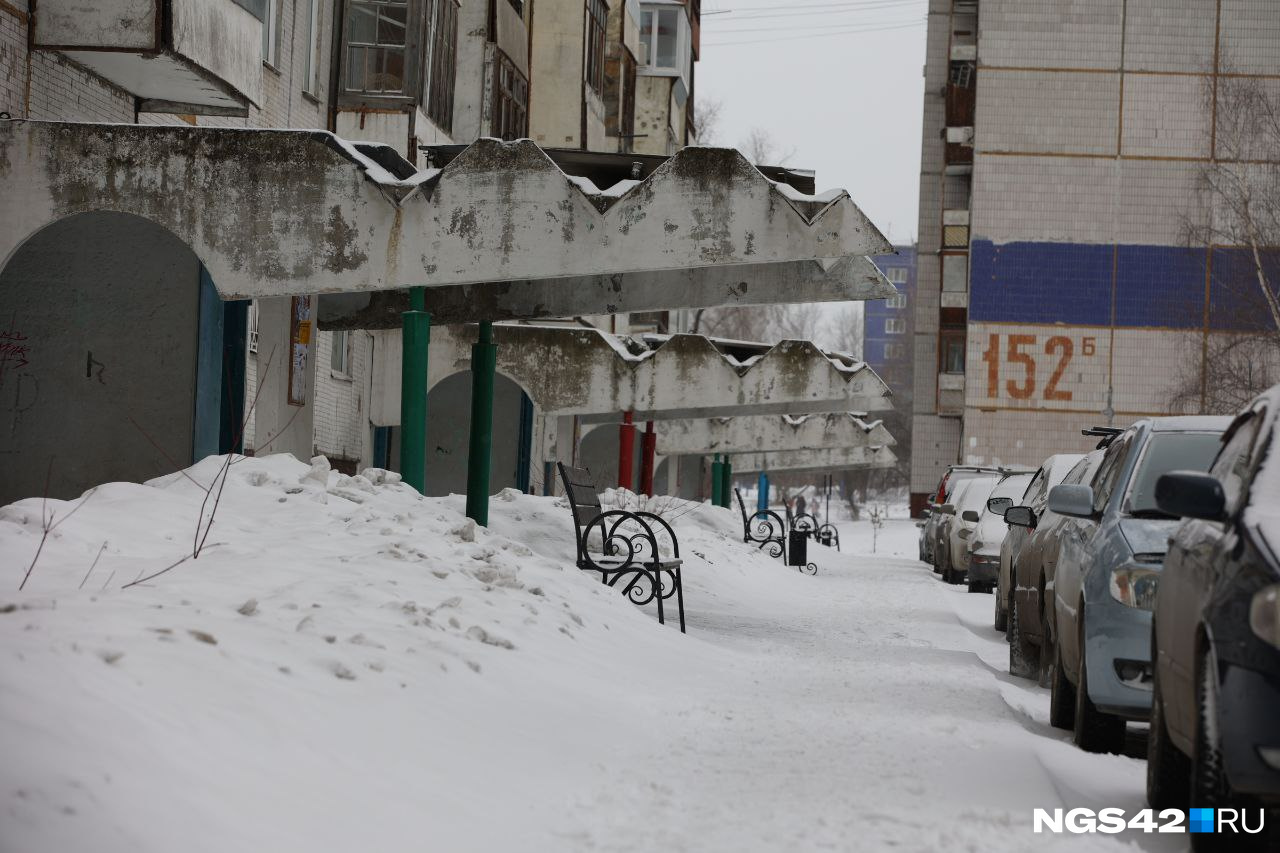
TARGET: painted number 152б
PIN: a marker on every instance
(1019, 357)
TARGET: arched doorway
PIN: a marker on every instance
(113, 357)
(449, 432)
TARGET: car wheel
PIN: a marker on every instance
(1001, 619)
(1062, 695)
(1021, 652)
(1168, 770)
(1094, 730)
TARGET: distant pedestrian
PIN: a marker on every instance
(800, 505)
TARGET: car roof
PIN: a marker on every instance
(1191, 423)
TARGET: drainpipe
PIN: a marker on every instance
(717, 482)
(762, 492)
(484, 364)
(416, 326)
(648, 448)
(626, 451)
(726, 488)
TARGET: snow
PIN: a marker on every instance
(348, 665)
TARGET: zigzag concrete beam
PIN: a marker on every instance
(825, 461)
(274, 213)
(849, 279)
(586, 372)
(769, 434)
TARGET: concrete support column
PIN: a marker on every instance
(717, 482)
(648, 444)
(726, 488)
(416, 326)
(762, 492)
(484, 360)
(281, 426)
(626, 451)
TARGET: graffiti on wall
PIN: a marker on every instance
(14, 351)
(299, 343)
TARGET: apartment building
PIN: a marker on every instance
(1063, 281)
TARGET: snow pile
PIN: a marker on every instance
(342, 653)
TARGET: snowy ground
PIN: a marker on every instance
(349, 666)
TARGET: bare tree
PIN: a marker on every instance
(1235, 213)
(707, 120)
(762, 149)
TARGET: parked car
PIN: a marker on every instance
(1032, 573)
(970, 497)
(1035, 498)
(955, 475)
(1215, 709)
(1108, 568)
(983, 559)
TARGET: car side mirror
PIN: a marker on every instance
(1073, 499)
(999, 505)
(964, 534)
(947, 509)
(969, 515)
(1191, 494)
(1020, 516)
(926, 512)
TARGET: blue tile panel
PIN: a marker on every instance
(1145, 286)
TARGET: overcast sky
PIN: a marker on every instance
(838, 83)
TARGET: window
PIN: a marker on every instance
(1104, 482)
(510, 101)
(518, 5)
(271, 32)
(951, 351)
(377, 47)
(892, 352)
(897, 275)
(340, 354)
(597, 21)
(444, 64)
(253, 326)
(660, 39)
(310, 60)
(897, 301)
(895, 326)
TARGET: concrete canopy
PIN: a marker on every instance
(818, 461)
(769, 434)
(275, 213)
(583, 371)
(848, 279)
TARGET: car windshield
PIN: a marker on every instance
(1165, 452)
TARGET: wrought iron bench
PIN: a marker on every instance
(629, 546)
(823, 534)
(766, 528)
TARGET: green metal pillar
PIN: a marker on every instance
(484, 363)
(717, 482)
(413, 390)
(726, 489)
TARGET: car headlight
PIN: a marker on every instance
(1135, 587)
(1264, 614)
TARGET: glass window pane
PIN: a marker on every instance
(393, 71)
(391, 25)
(668, 38)
(356, 76)
(361, 24)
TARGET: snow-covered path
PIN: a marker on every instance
(355, 667)
(868, 710)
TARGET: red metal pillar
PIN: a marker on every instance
(648, 446)
(626, 451)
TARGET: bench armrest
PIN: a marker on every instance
(616, 543)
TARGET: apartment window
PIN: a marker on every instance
(951, 350)
(377, 41)
(311, 60)
(897, 301)
(511, 101)
(340, 355)
(895, 326)
(518, 5)
(660, 39)
(597, 19)
(444, 63)
(253, 326)
(897, 275)
(893, 352)
(271, 32)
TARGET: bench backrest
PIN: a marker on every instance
(584, 500)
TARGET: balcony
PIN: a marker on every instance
(203, 57)
(950, 394)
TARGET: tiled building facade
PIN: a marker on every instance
(1063, 280)
(887, 323)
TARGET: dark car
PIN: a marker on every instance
(1215, 717)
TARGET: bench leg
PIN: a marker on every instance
(657, 586)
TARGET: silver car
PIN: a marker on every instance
(985, 542)
(932, 531)
(970, 497)
(1109, 559)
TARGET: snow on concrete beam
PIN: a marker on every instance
(273, 213)
(583, 371)
(769, 434)
(849, 279)
(824, 461)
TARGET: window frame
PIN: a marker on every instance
(596, 28)
(895, 326)
(441, 58)
(946, 339)
(896, 302)
(646, 65)
(271, 34)
(311, 69)
(412, 49)
(346, 339)
(506, 103)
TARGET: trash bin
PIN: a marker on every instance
(797, 548)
